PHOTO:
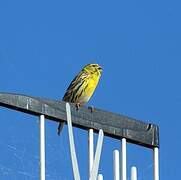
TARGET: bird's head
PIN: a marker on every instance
(93, 69)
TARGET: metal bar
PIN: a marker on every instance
(100, 177)
(42, 147)
(133, 173)
(116, 165)
(72, 146)
(95, 166)
(156, 163)
(113, 125)
(91, 149)
(123, 160)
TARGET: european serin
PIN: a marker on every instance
(82, 87)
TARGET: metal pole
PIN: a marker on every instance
(100, 177)
(156, 163)
(133, 173)
(91, 149)
(42, 147)
(116, 164)
(123, 159)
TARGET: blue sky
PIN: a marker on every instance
(44, 44)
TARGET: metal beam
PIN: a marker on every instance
(113, 125)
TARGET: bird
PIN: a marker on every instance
(82, 87)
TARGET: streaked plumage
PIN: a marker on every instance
(82, 87)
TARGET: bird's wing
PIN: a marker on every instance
(75, 85)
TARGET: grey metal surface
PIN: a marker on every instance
(113, 125)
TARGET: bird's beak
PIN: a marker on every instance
(100, 68)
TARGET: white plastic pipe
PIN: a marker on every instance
(95, 167)
(156, 163)
(72, 145)
(91, 149)
(116, 165)
(100, 177)
(42, 147)
(133, 173)
(123, 159)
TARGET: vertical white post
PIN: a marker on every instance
(116, 164)
(133, 173)
(42, 147)
(91, 149)
(123, 159)
(156, 163)
(100, 177)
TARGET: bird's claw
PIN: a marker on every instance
(77, 105)
(91, 108)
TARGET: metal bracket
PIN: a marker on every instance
(113, 125)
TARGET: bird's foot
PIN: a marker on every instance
(91, 108)
(77, 105)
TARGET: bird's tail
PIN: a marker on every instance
(60, 127)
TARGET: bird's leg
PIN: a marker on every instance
(77, 105)
(91, 108)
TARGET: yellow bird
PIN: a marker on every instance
(82, 87)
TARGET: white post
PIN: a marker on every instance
(91, 149)
(133, 173)
(116, 164)
(42, 147)
(100, 177)
(156, 163)
(123, 159)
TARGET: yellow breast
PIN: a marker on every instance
(89, 90)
